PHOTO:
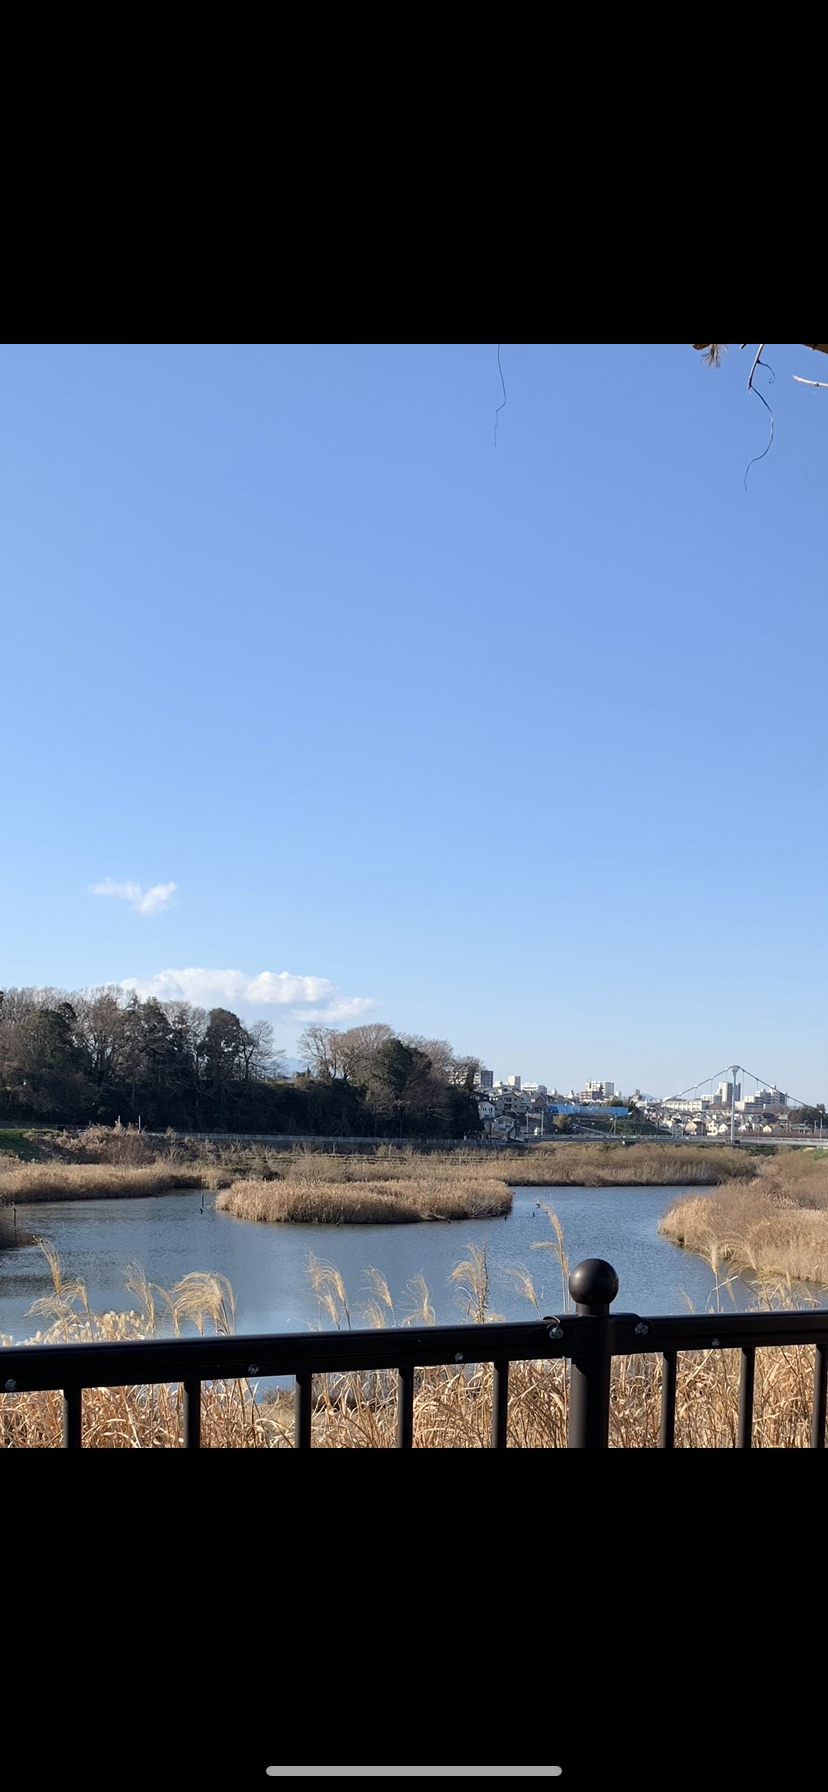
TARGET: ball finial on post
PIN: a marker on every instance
(593, 1285)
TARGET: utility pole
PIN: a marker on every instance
(734, 1072)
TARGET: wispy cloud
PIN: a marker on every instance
(143, 902)
(306, 998)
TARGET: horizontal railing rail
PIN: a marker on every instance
(590, 1337)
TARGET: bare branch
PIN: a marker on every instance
(755, 365)
(823, 384)
(757, 394)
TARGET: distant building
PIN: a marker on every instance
(724, 1094)
(597, 1092)
(484, 1079)
(513, 1081)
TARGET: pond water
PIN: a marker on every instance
(267, 1266)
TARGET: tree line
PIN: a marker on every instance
(97, 1056)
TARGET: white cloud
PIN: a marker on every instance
(307, 998)
(144, 902)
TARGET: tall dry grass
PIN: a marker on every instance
(774, 1226)
(452, 1405)
(388, 1186)
(610, 1163)
(645, 1164)
(83, 1182)
(135, 1418)
(557, 1163)
(370, 1201)
(395, 1187)
(123, 1145)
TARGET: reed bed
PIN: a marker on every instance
(85, 1182)
(562, 1163)
(375, 1201)
(774, 1226)
(396, 1187)
(612, 1164)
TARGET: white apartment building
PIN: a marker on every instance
(688, 1104)
(724, 1093)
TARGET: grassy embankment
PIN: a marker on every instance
(773, 1225)
(17, 1144)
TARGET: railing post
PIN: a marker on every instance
(405, 1406)
(667, 1428)
(72, 1418)
(746, 1382)
(500, 1403)
(192, 1415)
(303, 1410)
(593, 1285)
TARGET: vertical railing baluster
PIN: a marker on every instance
(820, 1390)
(746, 1398)
(405, 1407)
(500, 1403)
(72, 1418)
(302, 1410)
(192, 1415)
(669, 1376)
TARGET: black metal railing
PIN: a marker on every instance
(590, 1337)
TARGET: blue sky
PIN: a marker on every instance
(522, 746)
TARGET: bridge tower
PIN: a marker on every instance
(734, 1071)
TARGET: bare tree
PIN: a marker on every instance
(359, 1047)
(438, 1051)
(100, 1016)
(320, 1048)
(262, 1059)
(457, 1071)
